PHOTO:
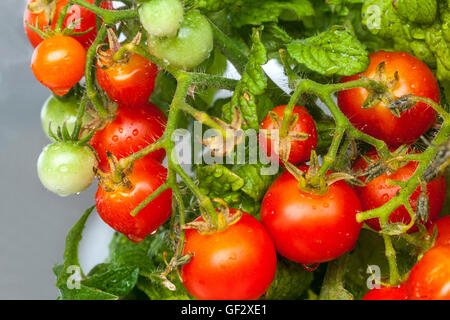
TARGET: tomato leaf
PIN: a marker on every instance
(147, 256)
(255, 183)
(256, 12)
(417, 11)
(155, 291)
(252, 84)
(290, 283)
(115, 280)
(69, 275)
(361, 257)
(241, 186)
(333, 52)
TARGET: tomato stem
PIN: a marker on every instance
(150, 198)
(62, 16)
(89, 74)
(394, 276)
(109, 17)
(404, 194)
(333, 283)
(79, 121)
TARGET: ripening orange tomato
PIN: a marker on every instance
(58, 63)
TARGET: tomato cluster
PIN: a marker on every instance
(304, 219)
(66, 166)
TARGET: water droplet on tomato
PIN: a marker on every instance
(115, 138)
(135, 132)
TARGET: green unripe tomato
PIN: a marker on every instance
(65, 168)
(161, 18)
(57, 111)
(190, 47)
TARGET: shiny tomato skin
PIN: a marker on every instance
(75, 12)
(309, 228)
(430, 277)
(387, 293)
(128, 83)
(300, 150)
(114, 207)
(377, 192)
(58, 63)
(443, 227)
(414, 78)
(133, 129)
(236, 264)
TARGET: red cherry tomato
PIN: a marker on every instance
(414, 78)
(75, 12)
(443, 227)
(236, 264)
(430, 277)
(387, 293)
(58, 63)
(309, 228)
(133, 129)
(377, 192)
(128, 83)
(300, 150)
(115, 207)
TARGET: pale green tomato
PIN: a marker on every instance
(65, 168)
(190, 47)
(161, 18)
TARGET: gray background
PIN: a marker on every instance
(33, 221)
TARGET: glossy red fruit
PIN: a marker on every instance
(414, 78)
(377, 192)
(430, 277)
(115, 207)
(387, 293)
(75, 12)
(300, 150)
(133, 129)
(58, 63)
(236, 264)
(309, 228)
(130, 82)
(443, 227)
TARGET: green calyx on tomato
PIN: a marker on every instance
(296, 145)
(161, 18)
(58, 111)
(192, 44)
(82, 21)
(311, 181)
